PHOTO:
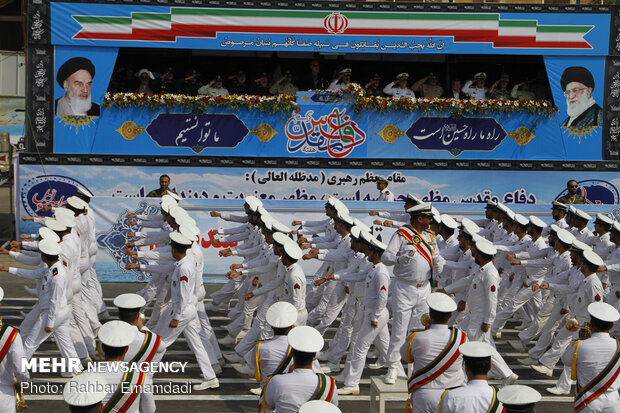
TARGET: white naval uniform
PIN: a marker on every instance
(271, 355)
(477, 93)
(183, 308)
(53, 312)
(426, 346)
(396, 91)
(477, 396)
(147, 402)
(590, 290)
(286, 393)
(593, 355)
(375, 310)
(386, 195)
(114, 376)
(11, 371)
(90, 302)
(409, 289)
(482, 299)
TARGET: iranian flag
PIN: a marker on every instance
(207, 23)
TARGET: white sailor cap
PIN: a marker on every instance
(129, 301)
(278, 226)
(402, 76)
(66, 220)
(85, 192)
(559, 205)
(581, 246)
(604, 312)
(116, 333)
(521, 220)
(187, 221)
(468, 223)
(77, 203)
(436, 215)
(55, 225)
(554, 228)
(346, 71)
(173, 195)
(177, 212)
(510, 213)
(262, 211)
(168, 198)
(319, 406)
(1, 293)
(604, 219)
(583, 215)
(281, 238)
(306, 339)
(449, 222)
(377, 244)
(469, 230)
(491, 204)
(476, 349)
(281, 315)
(47, 233)
(380, 178)
(502, 207)
(292, 249)
(167, 204)
(253, 203)
(441, 302)
(593, 258)
(366, 236)
(331, 201)
(361, 225)
(61, 212)
(181, 239)
(49, 247)
(476, 237)
(425, 208)
(565, 236)
(572, 209)
(486, 247)
(537, 222)
(340, 206)
(355, 231)
(189, 231)
(414, 198)
(86, 389)
(346, 218)
(268, 222)
(615, 226)
(518, 397)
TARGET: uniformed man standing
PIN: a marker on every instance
(146, 347)
(273, 356)
(414, 260)
(11, 373)
(596, 363)
(437, 363)
(477, 395)
(572, 197)
(286, 393)
(384, 194)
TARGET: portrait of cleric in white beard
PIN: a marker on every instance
(75, 76)
(583, 112)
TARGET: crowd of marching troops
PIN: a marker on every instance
(448, 285)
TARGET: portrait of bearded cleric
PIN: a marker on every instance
(75, 76)
(583, 112)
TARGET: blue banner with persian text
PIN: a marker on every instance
(324, 129)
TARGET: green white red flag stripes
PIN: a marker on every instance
(207, 23)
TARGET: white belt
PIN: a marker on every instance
(415, 284)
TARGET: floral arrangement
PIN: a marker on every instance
(269, 104)
(286, 103)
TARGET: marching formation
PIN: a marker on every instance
(431, 300)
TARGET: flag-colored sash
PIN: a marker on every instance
(7, 337)
(121, 400)
(286, 361)
(599, 385)
(414, 238)
(325, 388)
(440, 364)
(148, 349)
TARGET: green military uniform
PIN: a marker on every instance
(577, 199)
